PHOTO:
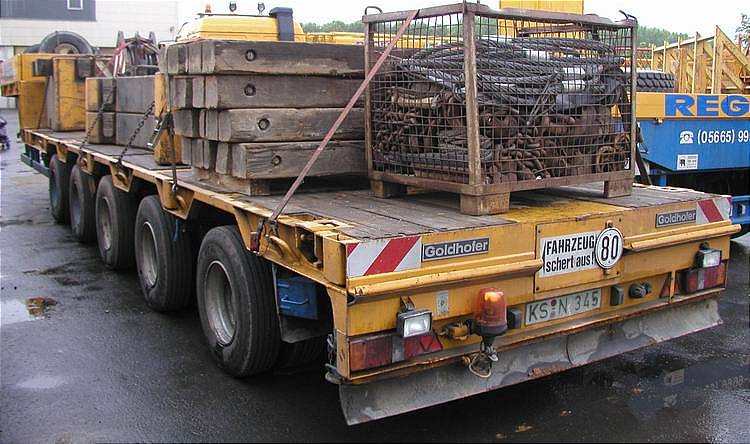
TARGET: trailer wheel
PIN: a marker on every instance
(59, 176)
(164, 258)
(82, 203)
(236, 304)
(115, 219)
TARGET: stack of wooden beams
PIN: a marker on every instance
(251, 113)
(125, 102)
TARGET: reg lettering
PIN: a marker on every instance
(705, 105)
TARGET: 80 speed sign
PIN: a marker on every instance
(608, 249)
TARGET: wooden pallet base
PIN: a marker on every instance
(484, 205)
(245, 186)
(267, 187)
(487, 204)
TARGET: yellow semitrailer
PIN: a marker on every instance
(418, 303)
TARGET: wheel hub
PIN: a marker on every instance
(221, 301)
(105, 222)
(148, 259)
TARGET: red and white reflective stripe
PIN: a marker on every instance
(383, 256)
(713, 210)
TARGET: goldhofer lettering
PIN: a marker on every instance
(675, 218)
(454, 249)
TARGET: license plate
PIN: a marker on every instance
(563, 306)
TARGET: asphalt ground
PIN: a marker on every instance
(98, 365)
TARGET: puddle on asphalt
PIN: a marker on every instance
(688, 386)
(13, 311)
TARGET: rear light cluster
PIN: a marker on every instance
(709, 271)
(414, 335)
(389, 348)
(696, 279)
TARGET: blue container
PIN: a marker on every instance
(297, 297)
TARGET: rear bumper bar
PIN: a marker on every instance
(388, 397)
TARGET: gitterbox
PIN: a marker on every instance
(482, 103)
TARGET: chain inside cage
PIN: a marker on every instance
(553, 99)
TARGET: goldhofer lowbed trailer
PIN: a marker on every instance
(394, 285)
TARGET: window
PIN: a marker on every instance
(75, 4)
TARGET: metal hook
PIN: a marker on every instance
(380, 11)
(628, 16)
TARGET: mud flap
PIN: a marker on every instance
(388, 397)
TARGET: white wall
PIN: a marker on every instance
(128, 16)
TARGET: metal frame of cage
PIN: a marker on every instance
(438, 111)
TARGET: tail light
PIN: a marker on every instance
(696, 279)
(709, 271)
(374, 351)
(490, 317)
(389, 348)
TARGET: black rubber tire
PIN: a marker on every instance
(655, 81)
(59, 177)
(300, 353)
(53, 42)
(33, 49)
(253, 344)
(166, 268)
(82, 203)
(114, 222)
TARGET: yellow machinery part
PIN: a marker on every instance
(340, 38)
(567, 6)
(32, 113)
(236, 27)
(18, 68)
(66, 104)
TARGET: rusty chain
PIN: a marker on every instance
(98, 117)
(137, 130)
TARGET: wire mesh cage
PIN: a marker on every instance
(481, 102)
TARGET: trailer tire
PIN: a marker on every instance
(59, 177)
(164, 258)
(82, 203)
(115, 222)
(237, 304)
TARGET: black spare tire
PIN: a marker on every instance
(655, 81)
(65, 42)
